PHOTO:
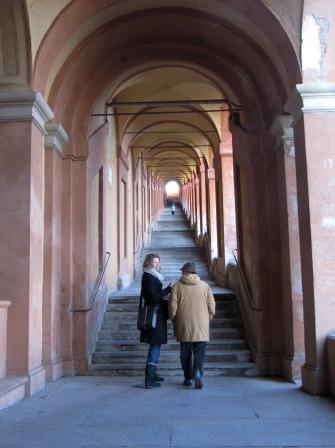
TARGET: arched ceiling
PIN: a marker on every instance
(172, 141)
(129, 51)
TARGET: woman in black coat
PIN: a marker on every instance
(153, 293)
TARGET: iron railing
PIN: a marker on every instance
(252, 306)
(96, 288)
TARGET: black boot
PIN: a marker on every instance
(159, 378)
(150, 381)
(197, 380)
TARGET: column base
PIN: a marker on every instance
(12, 389)
(262, 366)
(68, 368)
(81, 366)
(314, 380)
(276, 365)
(36, 381)
(53, 370)
(123, 281)
(292, 368)
(219, 271)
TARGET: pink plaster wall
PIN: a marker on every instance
(21, 243)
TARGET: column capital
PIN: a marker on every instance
(56, 138)
(310, 97)
(5, 303)
(226, 148)
(211, 173)
(25, 105)
(282, 129)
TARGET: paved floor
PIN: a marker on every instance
(118, 412)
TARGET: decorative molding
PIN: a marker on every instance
(55, 138)
(25, 106)
(317, 96)
(311, 97)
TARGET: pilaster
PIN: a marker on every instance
(54, 142)
(23, 116)
(282, 131)
(314, 133)
(212, 213)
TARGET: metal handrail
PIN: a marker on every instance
(96, 288)
(244, 283)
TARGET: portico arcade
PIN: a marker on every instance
(102, 103)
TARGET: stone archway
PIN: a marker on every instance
(88, 55)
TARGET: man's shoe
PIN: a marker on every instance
(158, 378)
(188, 383)
(149, 384)
(197, 380)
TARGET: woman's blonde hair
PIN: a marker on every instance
(148, 260)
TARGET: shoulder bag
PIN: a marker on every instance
(147, 316)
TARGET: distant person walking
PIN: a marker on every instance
(173, 208)
(191, 307)
(152, 292)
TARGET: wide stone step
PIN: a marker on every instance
(131, 302)
(117, 346)
(133, 305)
(125, 334)
(184, 251)
(169, 356)
(227, 322)
(210, 369)
(131, 316)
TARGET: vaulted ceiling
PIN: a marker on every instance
(88, 54)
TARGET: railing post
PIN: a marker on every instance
(4, 305)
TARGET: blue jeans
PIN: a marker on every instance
(153, 354)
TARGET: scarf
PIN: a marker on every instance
(155, 274)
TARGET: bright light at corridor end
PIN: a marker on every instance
(172, 188)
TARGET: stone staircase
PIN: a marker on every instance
(118, 350)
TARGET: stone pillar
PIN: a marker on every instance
(290, 260)
(123, 222)
(314, 132)
(4, 305)
(188, 207)
(203, 202)
(182, 196)
(197, 207)
(23, 116)
(192, 191)
(52, 269)
(229, 220)
(212, 213)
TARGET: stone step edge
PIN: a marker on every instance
(175, 366)
(171, 353)
(212, 341)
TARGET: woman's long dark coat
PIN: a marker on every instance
(153, 292)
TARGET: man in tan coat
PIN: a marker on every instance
(191, 307)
